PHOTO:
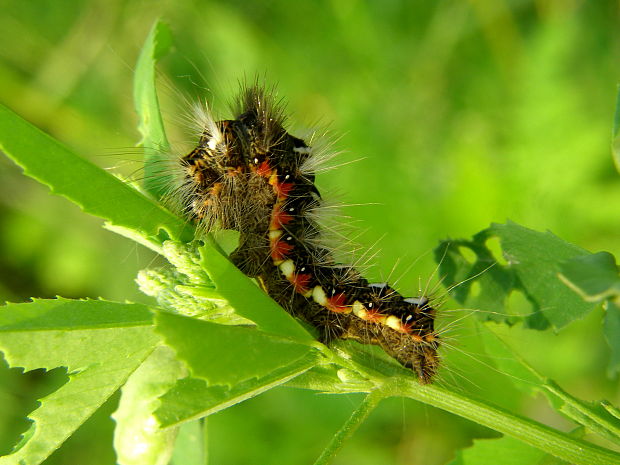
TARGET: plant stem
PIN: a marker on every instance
(560, 445)
(347, 430)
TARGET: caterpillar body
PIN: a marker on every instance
(250, 175)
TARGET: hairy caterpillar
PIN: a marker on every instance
(250, 175)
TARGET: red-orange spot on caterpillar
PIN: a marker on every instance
(280, 249)
(374, 316)
(337, 304)
(263, 169)
(281, 189)
(405, 328)
(301, 282)
(279, 218)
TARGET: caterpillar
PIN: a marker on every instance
(250, 175)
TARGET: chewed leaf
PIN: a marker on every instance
(101, 343)
(146, 102)
(51, 163)
(496, 282)
(536, 258)
(534, 262)
(226, 354)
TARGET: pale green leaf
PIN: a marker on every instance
(190, 447)
(137, 437)
(100, 343)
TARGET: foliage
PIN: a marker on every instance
(539, 265)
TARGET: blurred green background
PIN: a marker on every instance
(463, 113)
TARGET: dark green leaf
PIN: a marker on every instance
(534, 262)
(611, 329)
(594, 277)
(536, 258)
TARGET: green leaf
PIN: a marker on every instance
(226, 354)
(594, 277)
(100, 343)
(193, 398)
(95, 190)
(496, 282)
(503, 451)
(611, 329)
(534, 262)
(137, 437)
(536, 258)
(247, 299)
(66, 314)
(156, 178)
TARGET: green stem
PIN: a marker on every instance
(560, 445)
(347, 430)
